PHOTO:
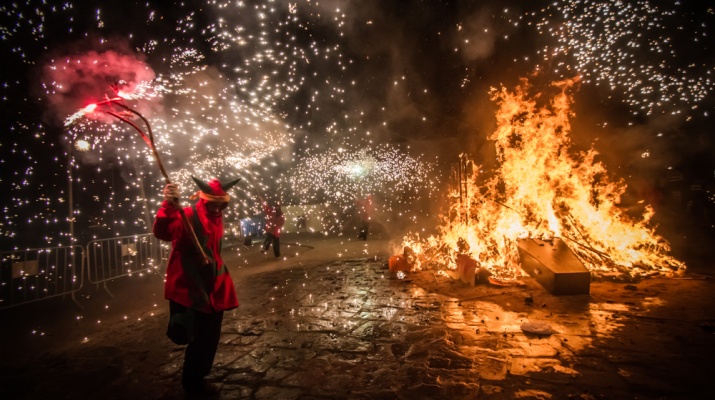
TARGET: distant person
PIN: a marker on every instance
(274, 224)
(365, 208)
(198, 293)
(302, 223)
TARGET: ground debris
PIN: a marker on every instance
(539, 328)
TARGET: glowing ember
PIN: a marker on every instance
(82, 145)
(341, 176)
(630, 47)
(543, 189)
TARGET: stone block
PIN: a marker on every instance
(554, 266)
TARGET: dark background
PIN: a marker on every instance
(414, 74)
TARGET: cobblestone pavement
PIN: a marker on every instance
(330, 322)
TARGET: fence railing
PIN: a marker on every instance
(31, 275)
(109, 259)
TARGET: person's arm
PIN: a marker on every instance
(267, 209)
(167, 224)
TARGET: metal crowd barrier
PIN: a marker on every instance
(109, 259)
(31, 275)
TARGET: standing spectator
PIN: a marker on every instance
(302, 223)
(365, 208)
(199, 290)
(274, 223)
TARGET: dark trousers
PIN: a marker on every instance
(276, 244)
(201, 351)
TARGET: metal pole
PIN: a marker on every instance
(147, 212)
(71, 196)
(459, 182)
(466, 190)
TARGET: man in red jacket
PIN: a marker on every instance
(199, 290)
(274, 223)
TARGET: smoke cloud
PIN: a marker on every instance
(72, 80)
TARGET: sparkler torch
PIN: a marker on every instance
(149, 139)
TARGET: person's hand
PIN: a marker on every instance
(171, 192)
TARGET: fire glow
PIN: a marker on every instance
(543, 189)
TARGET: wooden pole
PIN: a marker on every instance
(150, 142)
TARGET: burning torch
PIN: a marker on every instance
(148, 137)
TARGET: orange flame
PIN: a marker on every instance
(542, 189)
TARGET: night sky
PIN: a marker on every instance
(289, 95)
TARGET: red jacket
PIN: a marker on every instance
(206, 288)
(274, 220)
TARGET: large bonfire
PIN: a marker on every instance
(542, 189)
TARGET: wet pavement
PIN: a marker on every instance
(328, 321)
